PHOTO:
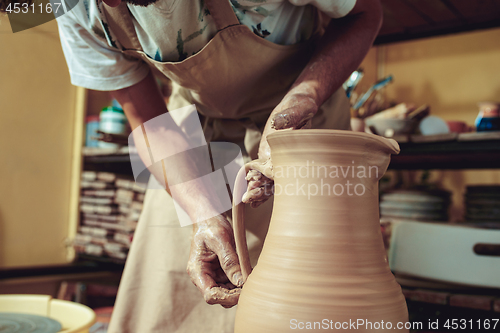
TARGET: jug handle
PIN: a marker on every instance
(239, 223)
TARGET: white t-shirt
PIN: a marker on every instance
(172, 30)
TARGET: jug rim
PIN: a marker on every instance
(391, 144)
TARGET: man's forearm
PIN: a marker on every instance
(340, 51)
(212, 242)
(141, 103)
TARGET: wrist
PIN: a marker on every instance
(216, 220)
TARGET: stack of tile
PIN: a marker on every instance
(419, 204)
(110, 206)
(482, 204)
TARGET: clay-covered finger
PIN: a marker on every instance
(261, 193)
(223, 296)
(252, 195)
(253, 175)
(201, 273)
(291, 118)
(263, 166)
(262, 181)
(254, 184)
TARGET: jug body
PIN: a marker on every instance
(323, 265)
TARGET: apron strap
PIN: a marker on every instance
(222, 13)
(121, 25)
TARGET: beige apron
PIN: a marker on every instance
(235, 81)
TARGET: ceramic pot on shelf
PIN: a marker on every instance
(323, 263)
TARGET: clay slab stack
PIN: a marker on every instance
(482, 204)
(415, 205)
(110, 206)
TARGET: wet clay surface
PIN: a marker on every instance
(323, 260)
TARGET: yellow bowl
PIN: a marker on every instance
(74, 317)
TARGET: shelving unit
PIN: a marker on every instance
(433, 301)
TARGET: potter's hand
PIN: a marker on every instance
(260, 182)
(294, 112)
(213, 263)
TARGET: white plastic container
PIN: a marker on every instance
(446, 252)
(112, 120)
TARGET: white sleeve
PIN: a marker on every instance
(92, 63)
(333, 8)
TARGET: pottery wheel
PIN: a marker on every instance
(27, 323)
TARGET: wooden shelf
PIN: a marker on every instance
(81, 266)
(448, 155)
(454, 155)
(108, 160)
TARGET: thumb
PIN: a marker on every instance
(229, 262)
